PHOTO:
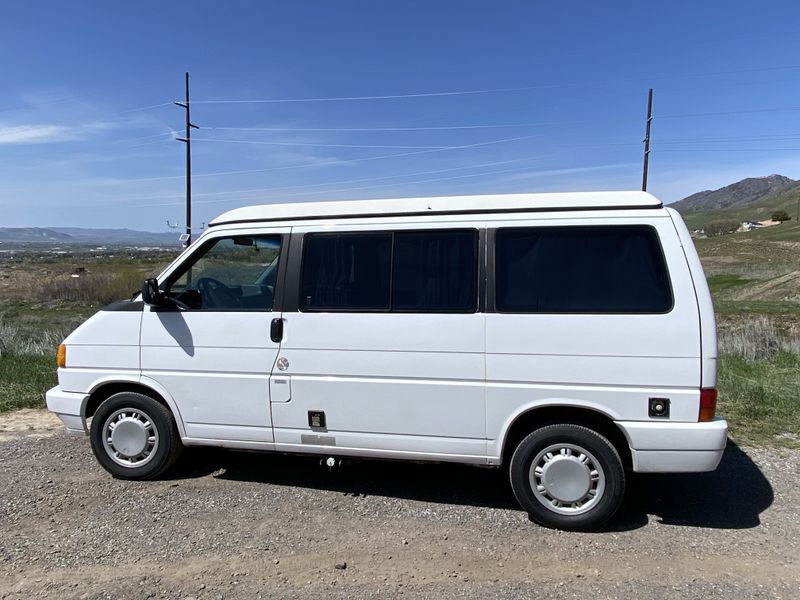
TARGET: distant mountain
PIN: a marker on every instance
(751, 199)
(120, 236)
(81, 235)
(32, 235)
(736, 194)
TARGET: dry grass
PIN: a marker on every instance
(100, 288)
(39, 342)
(756, 338)
(93, 288)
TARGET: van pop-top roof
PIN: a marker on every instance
(442, 205)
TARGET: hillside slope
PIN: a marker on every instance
(741, 193)
(754, 199)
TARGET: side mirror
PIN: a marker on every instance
(151, 294)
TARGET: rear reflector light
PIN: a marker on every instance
(708, 404)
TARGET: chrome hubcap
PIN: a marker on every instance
(567, 479)
(130, 438)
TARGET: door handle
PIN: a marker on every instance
(276, 330)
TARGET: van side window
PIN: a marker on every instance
(581, 269)
(231, 273)
(346, 271)
(434, 271)
(404, 271)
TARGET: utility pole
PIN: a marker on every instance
(187, 139)
(647, 138)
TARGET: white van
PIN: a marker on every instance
(567, 337)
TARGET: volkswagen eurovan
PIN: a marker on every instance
(568, 338)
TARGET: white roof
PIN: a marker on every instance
(440, 205)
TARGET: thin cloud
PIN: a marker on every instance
(568, 171)
(49, 133)
(33, 134)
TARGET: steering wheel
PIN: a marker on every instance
(216, 294)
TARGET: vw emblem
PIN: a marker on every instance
(283, 363)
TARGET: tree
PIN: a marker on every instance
(716, 228)
(781, 216)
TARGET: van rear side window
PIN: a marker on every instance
(582, 269)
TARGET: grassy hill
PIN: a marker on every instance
(758, 208)
(755, 274)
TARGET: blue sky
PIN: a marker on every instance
(556, 102)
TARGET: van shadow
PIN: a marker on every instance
(732, 497)
(175, 325)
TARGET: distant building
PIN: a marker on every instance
(748, 226)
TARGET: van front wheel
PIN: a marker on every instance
(134, 437)
(567, 477)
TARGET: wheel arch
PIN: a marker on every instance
(103, 390)
(533, 417)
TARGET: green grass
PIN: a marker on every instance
(725, 281)
(24, 379)
(761, 399)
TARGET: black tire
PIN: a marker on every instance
(165, 451)
(597, 469)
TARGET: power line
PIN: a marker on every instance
(357, 180)
(729, 150)
(320, 163)
(149, 107)
(739, 138)
(488, 90)
(316, 145)
(728, 112)
(377, 97)
(496, 172)
(429, 180)
(368, 129)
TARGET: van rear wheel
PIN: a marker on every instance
(134, 436)
(567, 477)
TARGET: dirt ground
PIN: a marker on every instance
(238, 525)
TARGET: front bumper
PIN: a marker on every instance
(664, 447)
(68, 406)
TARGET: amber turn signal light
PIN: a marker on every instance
(61, 356)
(708, 404)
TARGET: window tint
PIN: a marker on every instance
(346, 271)
(607, 269)
(434, 271)
(230, 273)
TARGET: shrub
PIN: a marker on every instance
(716, 228)
(780, 215)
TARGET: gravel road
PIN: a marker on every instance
(238, 525)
